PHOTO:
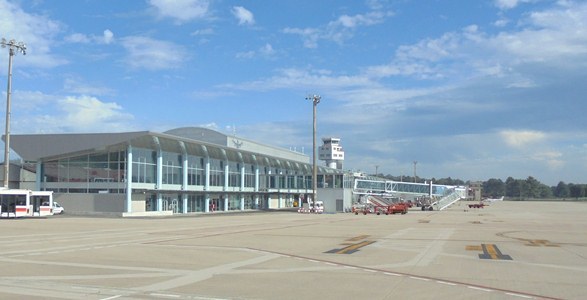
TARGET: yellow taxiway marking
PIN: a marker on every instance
(474, 248)
(351, 248)
(539, 243)
(358, 238)
(354, 247)
(490, 251)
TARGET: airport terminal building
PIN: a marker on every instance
(181, 171)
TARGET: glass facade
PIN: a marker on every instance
(249, 176)
(196, 170)
(90, 173)
(172, 168)
(109, 169)
(234, 202)
(234, 174)
(196, 203)
(183, 179)
(216, 172)
(144, 165)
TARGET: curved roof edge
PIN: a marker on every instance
(31, 147)
(199, 134)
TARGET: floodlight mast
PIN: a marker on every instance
(13, 48)
(315, 100)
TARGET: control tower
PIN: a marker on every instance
(331, 152)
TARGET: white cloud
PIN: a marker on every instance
(29, 101)
(265, 51)
(89, 113)
(310, 36)
(245, 55)
(244, 16)
(182, 10)
(501, 22)
(78, 38)
(37, 112)
(522, 138)
(36, 31)
(206, 31)
(151, 54)
(307, 78)
(106, 38)
(506, 4)
(339, 30)
(553, 38)
(432, 49)
(421, 70)
(553, 159)
(509, 4)
(75, 85)
(368, 19)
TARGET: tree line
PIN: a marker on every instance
(529, 188)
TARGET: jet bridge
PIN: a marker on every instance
(445, 195)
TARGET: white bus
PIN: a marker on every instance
(25, 203)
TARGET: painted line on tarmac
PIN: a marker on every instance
(419, 277)
(357, 238)
(110, 298)
(490, 251)
(519, 295)
(351, 248)
(479, 288)
(165, 295)
(447, 283)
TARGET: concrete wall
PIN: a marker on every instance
(138, 203)
(91, 203)
(329, 197)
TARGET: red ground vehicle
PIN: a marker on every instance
(373, 204)
(397, 208)
(476, 205)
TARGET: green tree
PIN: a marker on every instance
(493, 188)
(532, 187)
(577, 190)
(513, 188)
(545, 191)
(562, 190)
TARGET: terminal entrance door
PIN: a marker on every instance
(36, 204)
(151, 202)
(171, 203)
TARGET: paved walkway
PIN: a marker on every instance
(508, 250)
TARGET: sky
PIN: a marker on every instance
(467, 89)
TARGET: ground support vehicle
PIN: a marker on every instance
(57, 208)
(17, 203)
(425, 203)
(307, 208)
(427, 207)
(365, 208)
(397, 208)
(477, 205)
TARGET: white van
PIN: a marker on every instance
(57, 208)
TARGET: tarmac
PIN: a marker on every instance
(507, 250)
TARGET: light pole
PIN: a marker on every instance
(415, 163)
(13, 47)
(315, 100)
